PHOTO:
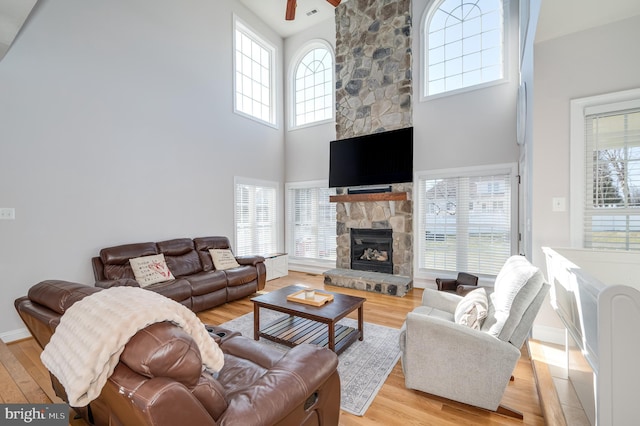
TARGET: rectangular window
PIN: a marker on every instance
(311, 221)
(254, 75)
(454, 236)
(612, 167)
(256, 217)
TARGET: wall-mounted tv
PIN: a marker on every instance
(375, 159)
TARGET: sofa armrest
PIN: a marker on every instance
(456, 361)
(446, 284)
(249, 260)
(441, 300)
(122, 282)
(284, 387)
(153, 402)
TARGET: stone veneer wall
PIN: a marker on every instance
(379, 215)
(373, 66)
(373, 94)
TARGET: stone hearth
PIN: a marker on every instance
(393, 285)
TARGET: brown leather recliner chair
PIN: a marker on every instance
(461, 285)
(159, 379)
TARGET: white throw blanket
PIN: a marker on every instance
(86, 345)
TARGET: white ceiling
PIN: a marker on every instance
(272, 12)
(562, 17)
(557, 17)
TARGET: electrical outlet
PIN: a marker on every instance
(7, 213)
(559, 204)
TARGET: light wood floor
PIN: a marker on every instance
(26, 380)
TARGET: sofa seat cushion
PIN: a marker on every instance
(241, 275)
(207, 282)
(178, 289)
(433, 312)
(181, 256)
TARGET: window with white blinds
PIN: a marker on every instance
(612, 179)
(466, 219)
(311, 221)
(256, 217)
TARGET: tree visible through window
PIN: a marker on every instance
(464, 44)
(612, 211)
(314, 87)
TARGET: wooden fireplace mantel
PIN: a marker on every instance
(380, 196)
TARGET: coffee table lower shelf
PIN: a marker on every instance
(292, 331)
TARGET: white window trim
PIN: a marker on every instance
(313, 44)
(304, 264)
(579, 107)
(424, 46)
(510, 168)
(279, 214)
(274, 55)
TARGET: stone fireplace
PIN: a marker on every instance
(373, 94)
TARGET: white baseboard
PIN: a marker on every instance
(13, 335)
(549, 334)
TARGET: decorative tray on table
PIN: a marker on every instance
(318, 298)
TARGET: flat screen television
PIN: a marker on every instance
(375, 159)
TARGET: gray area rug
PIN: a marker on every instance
(363, 366)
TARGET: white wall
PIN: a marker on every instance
(469, 129)
(117, 126)
(591, 62)
(596, 61)
(307, 148)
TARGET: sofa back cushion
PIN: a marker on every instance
(181, 256)
(203, 244)
(516, 286)
(116, 259)
(164, 350)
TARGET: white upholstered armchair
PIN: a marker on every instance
(466, 348)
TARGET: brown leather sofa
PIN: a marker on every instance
(159, 379)
(197, 284)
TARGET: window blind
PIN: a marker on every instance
(311, 222)
(255, 219)
(612, 180)
(466, 221)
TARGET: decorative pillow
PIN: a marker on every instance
(150, 270)
(472, 309)
(223, 259)
(517, 284)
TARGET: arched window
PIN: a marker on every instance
(313, 86)
(464, 44)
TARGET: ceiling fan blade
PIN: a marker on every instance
(290, 15)
(335, 3)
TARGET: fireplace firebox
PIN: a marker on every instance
(372, 250)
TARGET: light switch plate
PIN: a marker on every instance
(7, 213)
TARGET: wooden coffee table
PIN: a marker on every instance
(307, 323)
